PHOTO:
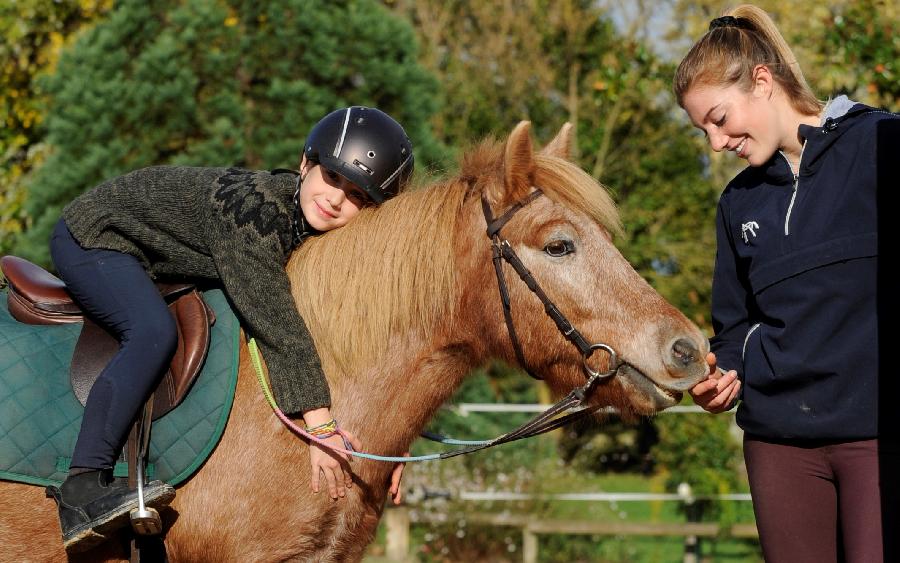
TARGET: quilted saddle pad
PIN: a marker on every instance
(40, 416)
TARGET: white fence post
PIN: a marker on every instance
(397, 520)
(529, 546)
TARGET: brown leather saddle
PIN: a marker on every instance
(36, 296)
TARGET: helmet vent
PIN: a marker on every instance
(363, 167)
(371, 154)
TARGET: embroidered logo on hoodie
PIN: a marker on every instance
(749, 227)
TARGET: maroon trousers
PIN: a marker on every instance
(824, 502)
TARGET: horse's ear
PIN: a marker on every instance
(561, 145)
(518, 163)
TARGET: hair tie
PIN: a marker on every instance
(729, 21)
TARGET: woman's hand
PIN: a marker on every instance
(334, 466)
(718, 391)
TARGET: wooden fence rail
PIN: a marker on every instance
(398, 521)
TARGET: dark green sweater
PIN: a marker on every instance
(224, 224)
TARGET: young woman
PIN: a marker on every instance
(233, 226)
(795, 308)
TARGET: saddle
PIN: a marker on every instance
(36, 296)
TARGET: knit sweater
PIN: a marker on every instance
(229, 225)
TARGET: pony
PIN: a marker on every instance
(402, 305)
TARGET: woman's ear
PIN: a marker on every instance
(763, 81)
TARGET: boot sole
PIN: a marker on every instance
(93, 533)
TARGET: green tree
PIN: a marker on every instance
(702, 453)
(552, 62)
(862, 49)
(215, 82)
(843, 46)
(33, 33)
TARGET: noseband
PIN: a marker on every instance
(502, 250)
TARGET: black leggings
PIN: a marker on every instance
(115, 290)
(822, 503)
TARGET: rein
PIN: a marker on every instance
(540, 424)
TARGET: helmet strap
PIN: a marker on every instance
(300, 229)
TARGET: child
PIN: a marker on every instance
(795, 302)
(234, 226)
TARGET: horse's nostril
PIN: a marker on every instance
(684, 352)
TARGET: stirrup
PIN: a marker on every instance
(145, 520)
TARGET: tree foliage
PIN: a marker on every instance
(33, 33)
(559, 61)
(861, 51)
(215, 82)
(843, 46)
(702, 453)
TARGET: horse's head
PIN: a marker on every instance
(565, 239)
(405, 297)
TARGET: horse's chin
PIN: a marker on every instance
(645, 396)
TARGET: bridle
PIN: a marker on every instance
(502, 250)
(553, 417)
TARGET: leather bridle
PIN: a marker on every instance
(502, 250)
(559, 414)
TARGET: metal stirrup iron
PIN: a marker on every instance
(145, 521)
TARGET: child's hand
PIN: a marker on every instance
(396, 475)
(717, 392)
(334, 465)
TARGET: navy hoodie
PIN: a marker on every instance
(794, 290)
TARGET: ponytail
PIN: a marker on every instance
(734, 45)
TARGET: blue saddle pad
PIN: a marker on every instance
(40, 416)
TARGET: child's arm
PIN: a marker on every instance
(260, 290)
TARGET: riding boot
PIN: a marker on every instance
(93, 504)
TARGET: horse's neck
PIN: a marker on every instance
(388, 406)
(394, 399)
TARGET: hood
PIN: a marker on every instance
(837, 118)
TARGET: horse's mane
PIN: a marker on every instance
(392, 269)
(389, 270)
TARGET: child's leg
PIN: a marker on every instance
(115, 290)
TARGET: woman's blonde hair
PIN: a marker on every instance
(727, 55)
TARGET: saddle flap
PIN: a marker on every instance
(96, 347)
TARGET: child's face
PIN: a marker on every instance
(328, 200)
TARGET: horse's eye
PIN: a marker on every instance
(557, 248)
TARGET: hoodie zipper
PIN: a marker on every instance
(796, 176)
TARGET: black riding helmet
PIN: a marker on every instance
(364, 145)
